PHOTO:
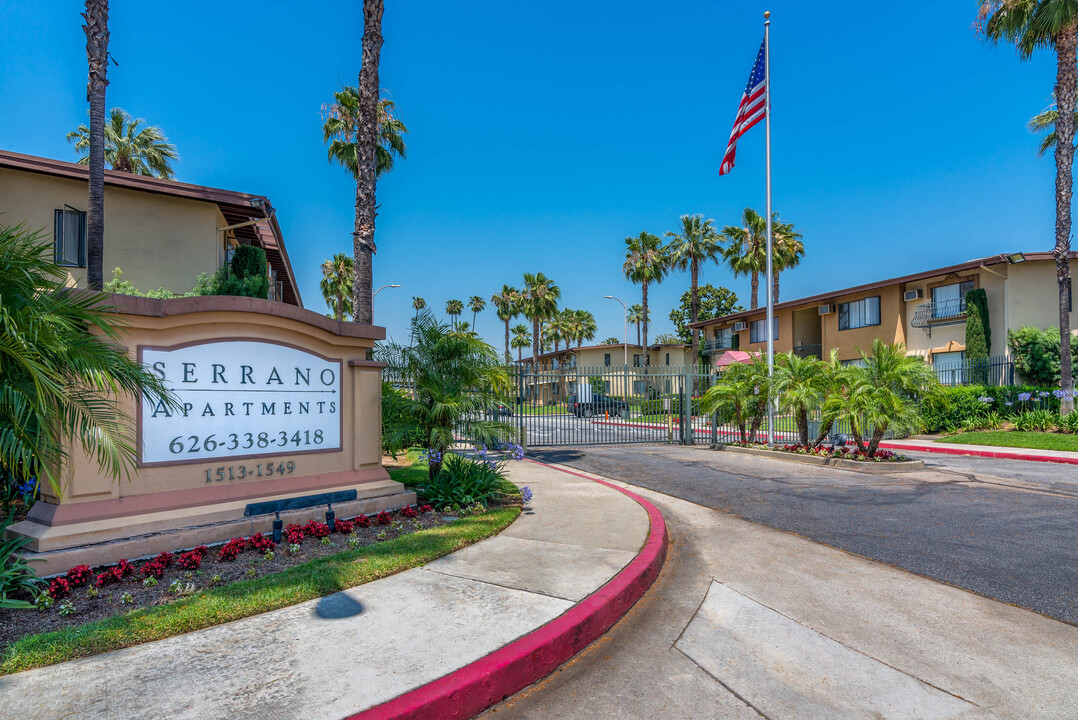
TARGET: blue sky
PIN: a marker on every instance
(542, 134)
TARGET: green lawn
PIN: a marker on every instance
(214, 606)
(1015, 438)
(541, 410)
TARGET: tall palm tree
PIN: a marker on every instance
(636, 316)
(646, 261)
(1046, 121)
(336, 285)
(560, 328)
(522, 338)
(342, 124)
(697, 242)
(477, 305)
(1053, 24)
(506, 305)
(129, 148)
(538, 302)
(97, 59)
(418, 303)
(786, 251)
(746, 250)
(453, 309)
(584, 325)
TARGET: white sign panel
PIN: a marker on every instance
(241, 399)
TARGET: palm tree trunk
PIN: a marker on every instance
(508, 355)
(474, 313)
(97, 57)
(1066, 88)
(755, 290)
(366, 149)
(775, 285)
(644, 345)
(638, 333)
(695, 313)
(535, 344)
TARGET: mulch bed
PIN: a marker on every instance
(249, 564)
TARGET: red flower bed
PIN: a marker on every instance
(190, 560)
(383, 518)
(344, 526)
(293, 534)
(153, 568)
(127, 568)
(426, 509)
(231, 549)
(362, 521)
(316, 529)
(842, 452)
(112, 575)
(165, 558)
(409, 511)
(78, 575)
(59, 588)
(261, 543)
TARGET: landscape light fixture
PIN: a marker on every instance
(626, 308)
(330, 517)
(381, 289)
(277, 527)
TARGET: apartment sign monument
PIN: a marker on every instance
(240, 399)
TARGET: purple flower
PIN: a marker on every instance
(526, 494)
(1008, 403)
(986, 400)
(1043, 393)
(1024, 397)
(433, 457)
(28, 487)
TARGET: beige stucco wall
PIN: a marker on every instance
(157, 240)
(1032, 297)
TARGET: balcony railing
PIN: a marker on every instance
(806, 351)
(718, 345)
(997, 370)
(941, 312)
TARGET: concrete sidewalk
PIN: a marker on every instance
(334, 657)
(748, 621)
(927, 444)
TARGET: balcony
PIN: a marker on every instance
(807, 351)
(717, 345)
(943, 312)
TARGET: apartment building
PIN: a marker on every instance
(926, 311)
(160, 233)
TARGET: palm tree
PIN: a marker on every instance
(786, 251)
(505, 303)
(477, 305)
(453, 309)
(1046, 121)
(698, 242)
(885, 393)
(636, 315)
(798, 384)
(1033, 24)
(522, 338)
(336, 285)
(646, 261)
(64, 370)
(128, 148)
(584, 326)
(456, 378)
(97, 59)
(538, 302)
(343, 121)
(744, 391)
(560, 328)
(418, 303)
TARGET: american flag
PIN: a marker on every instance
(751, 110)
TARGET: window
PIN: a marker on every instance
(638, 387)
(757, 332)
(856, 362)
(70, 231)
(950, 367)
(667, 358)
(636, 361)
(950, 300)
(606, 359)
(858, 314)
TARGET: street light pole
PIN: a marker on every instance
(626, 309)
(381, 289)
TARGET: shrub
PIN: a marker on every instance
(462, 481)
(1036, 420)
(400, 423)
(1036, 354)
(293, 534)
(1069, 423)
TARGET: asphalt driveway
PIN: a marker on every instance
(1004, 529)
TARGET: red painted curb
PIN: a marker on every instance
(473, 688)
(981, 453)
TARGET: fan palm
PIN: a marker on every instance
(786, 251)
(64, 372)
(746, 250)
(646, 261)
(1053, 24)
(453, 309)
(97, 59)
(584, 326)
(798, 385)
(697, 242)
(636, 316)
(336, 285)
(505, 304)
(477, 305)
(561, 328)
(455, 377)
(883, 394)
(129, 148)
(538, 302)
(743, 390)
(1046, 122)
(522, 338)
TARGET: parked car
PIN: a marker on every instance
(597, 404)
(500, 410)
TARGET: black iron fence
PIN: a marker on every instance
(997, 370)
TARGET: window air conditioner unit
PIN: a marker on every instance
(825, 309)
(738, 327)
(912, 295)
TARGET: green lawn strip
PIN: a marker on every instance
(411, 475)
(245, 598)
(1015, 438)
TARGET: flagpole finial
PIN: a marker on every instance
(767, 14)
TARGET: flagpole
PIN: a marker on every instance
(770, 275)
